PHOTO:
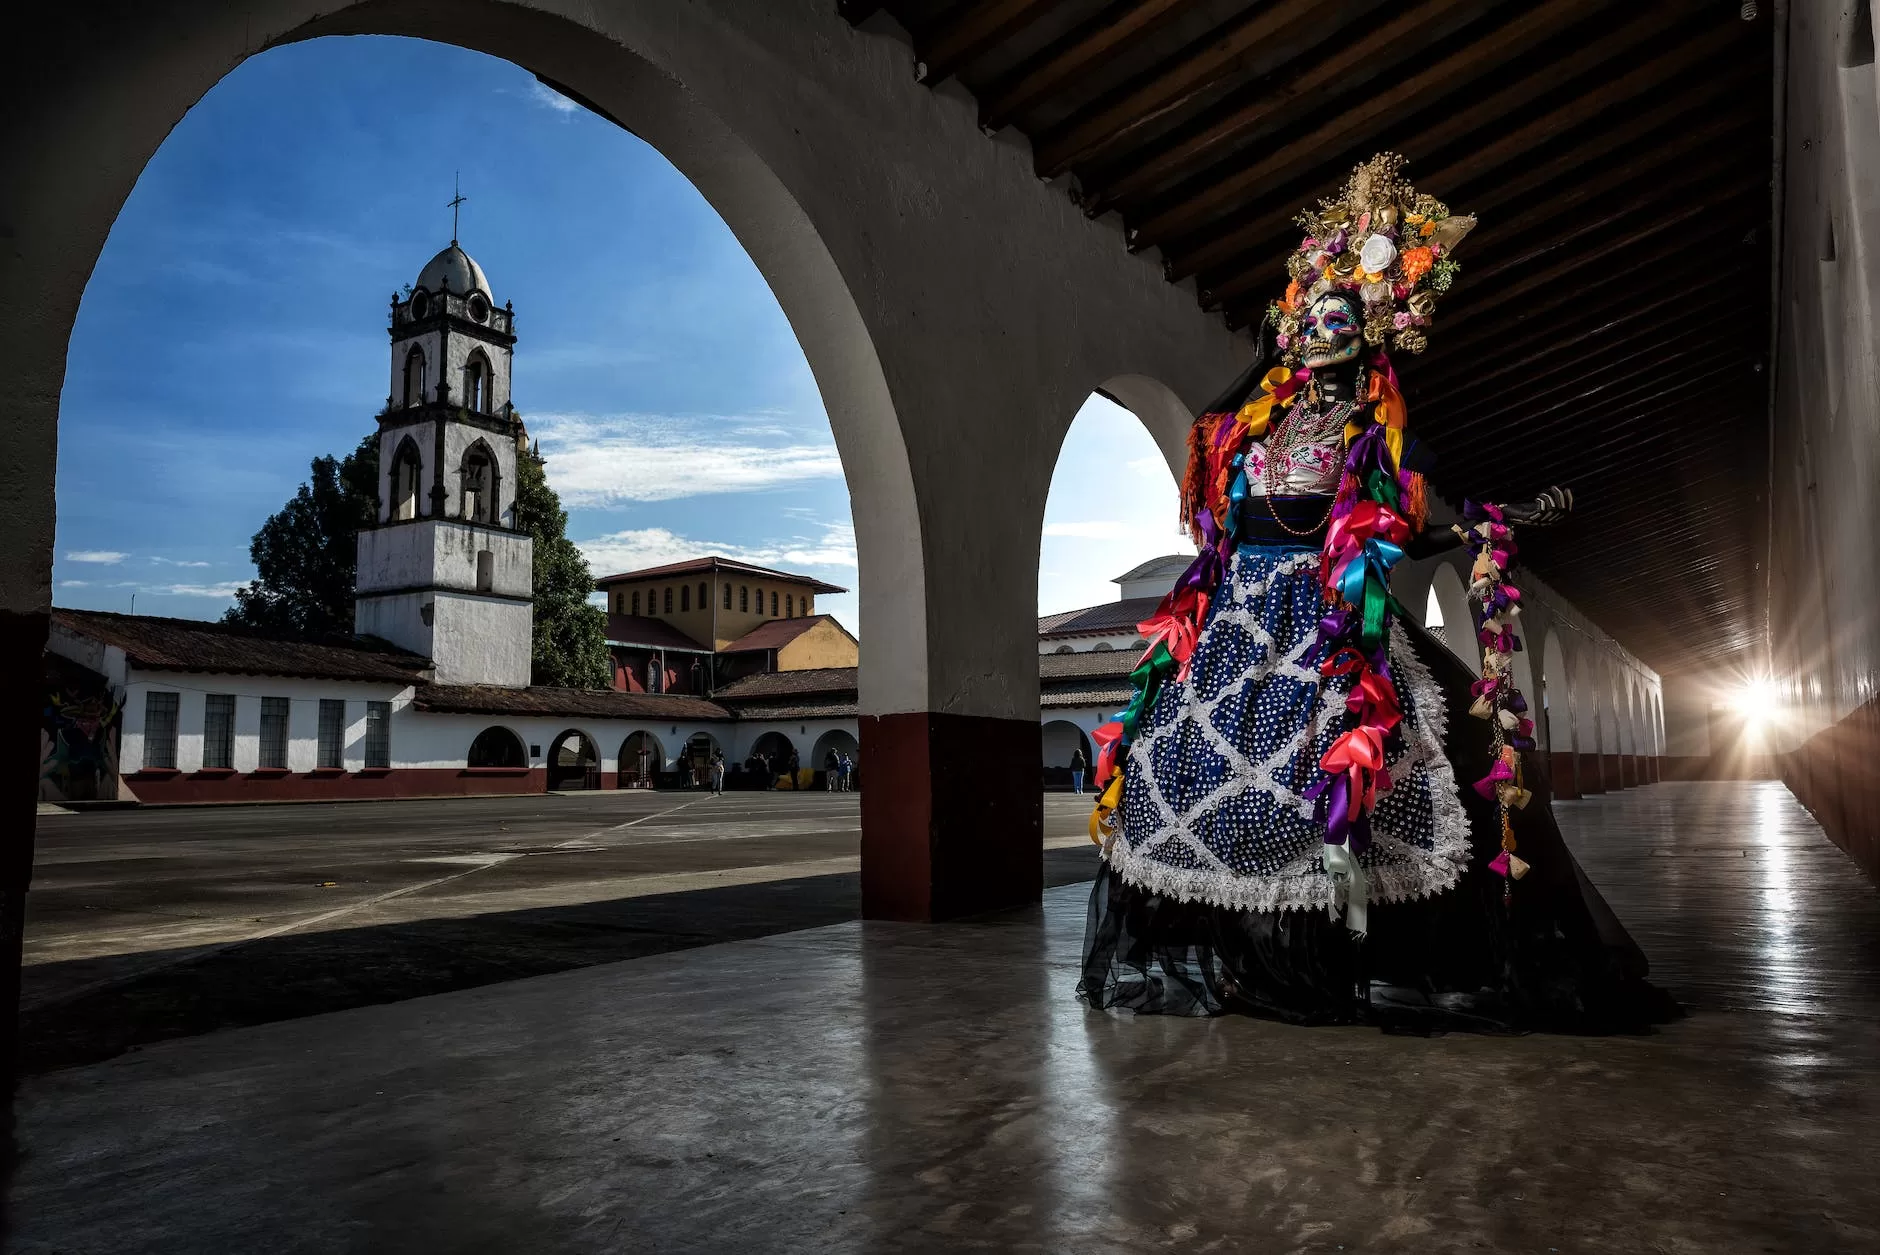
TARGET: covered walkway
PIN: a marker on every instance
(877, 1086)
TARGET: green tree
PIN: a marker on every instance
(570, 640)
(305, 556)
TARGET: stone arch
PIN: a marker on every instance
(479, 483)
(694, 761)
(1058, 738)
(407, 481)
(1552, 708)
(413, 387)
(497, 746)
(837, 741)
(478, 381)
(1458, 631)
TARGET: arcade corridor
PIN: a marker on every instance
(919, 1087)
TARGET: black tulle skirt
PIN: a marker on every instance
(1552, 957)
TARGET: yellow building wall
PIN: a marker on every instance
(729, 625)
(824, 645)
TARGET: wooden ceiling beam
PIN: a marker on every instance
(1592, 154)
(1073, 54)
(955, 41)
(1221, 54)
(1349, 126)
(1399, 37)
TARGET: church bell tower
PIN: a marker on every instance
(444, 571)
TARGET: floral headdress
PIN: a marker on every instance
(1382, 242)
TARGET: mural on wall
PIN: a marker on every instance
(78, 735)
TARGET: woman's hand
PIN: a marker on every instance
(1545, 510)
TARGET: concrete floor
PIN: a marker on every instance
(869, 1087)
(150, 924)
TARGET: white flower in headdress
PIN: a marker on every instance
(1378, 254)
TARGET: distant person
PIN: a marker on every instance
(1077, 770)
(832, 771)
(796, 765)
(845, 768)
(718, 772)
(770, 771)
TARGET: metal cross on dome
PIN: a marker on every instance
(457, 198)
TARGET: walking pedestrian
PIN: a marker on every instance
(1077, 770)
(846, 769)
(832, 771)
(718, 772)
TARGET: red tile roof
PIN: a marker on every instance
(770, 684)
(160, 644)
(777, 633)
(694, 566)
(486, 699)
(639, 629)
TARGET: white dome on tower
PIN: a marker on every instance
(459, 269)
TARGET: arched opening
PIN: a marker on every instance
(770, 756)
(641, 760)
(1130, 437)
(1455, 625)
(498, 747)
(414, 376)
(573, 762)
(1586, 722)
(695, 764)
(837, 745)
(477, 484)
(477, 383)
(1061, 742)
(1555, 719)
(407, 475)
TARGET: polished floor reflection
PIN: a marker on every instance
(867, 1088)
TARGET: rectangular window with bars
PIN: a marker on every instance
(218, 730)
(273, 734)
(378, 734)
(160, 729)
(332, 733)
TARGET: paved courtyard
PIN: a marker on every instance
(155, 923)
(881, 1087)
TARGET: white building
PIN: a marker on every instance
(432, 696)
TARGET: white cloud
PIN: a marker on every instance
(111, 556)
(546, 96)
(222, 591)
(600, 461)
(635, 549)
(74, 583)
(179, 562)
(1096, 529)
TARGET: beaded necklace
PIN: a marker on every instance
(1292, 434)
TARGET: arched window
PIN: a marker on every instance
(654, 676)
(685, 597)
(407, 470)
(414, 376)
(773, 604)
(478, 488)
(497, 747)
(636, 601)
(668, 599)
(727, 596)
(807, 603)
(789, 607)
(476, 383)
(704, 596)
(744, 598)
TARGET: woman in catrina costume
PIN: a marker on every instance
(1311, 811)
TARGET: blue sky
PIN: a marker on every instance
(234, 329)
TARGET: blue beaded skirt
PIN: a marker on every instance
(1213, 807)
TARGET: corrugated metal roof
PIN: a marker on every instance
(1609, 328)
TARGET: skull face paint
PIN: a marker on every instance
(1334, 331)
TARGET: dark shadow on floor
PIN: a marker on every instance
(286, 977)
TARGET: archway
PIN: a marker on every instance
(1555, 703)
(771, 754)
(641, 760)
(573, 761)
(1058, 741)
(696, 762)
(498, 747)
(836, 741)
(1448, 609)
